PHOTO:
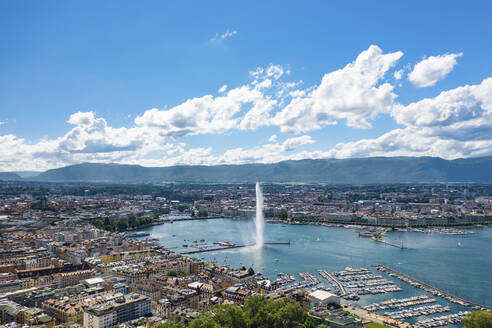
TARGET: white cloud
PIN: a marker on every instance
(456, 123)
(275, 71)
(353, 93)
(209, 114)
(227, 34)
(267, 153)
(432, 69)
(398, 74)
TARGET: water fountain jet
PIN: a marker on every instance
(259, 219)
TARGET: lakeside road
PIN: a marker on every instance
(374, 317)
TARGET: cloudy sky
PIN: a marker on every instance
(159, 83)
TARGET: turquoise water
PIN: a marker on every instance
(465, 270)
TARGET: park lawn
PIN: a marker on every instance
(375, 325)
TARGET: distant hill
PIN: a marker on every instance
(374, 170)
(27, 174)
(7, 176)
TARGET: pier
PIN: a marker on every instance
(325, 274)
(230, 247)
(381, 240)
(431, 289)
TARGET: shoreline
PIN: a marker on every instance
(410, 228)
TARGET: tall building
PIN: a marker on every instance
(122, 309)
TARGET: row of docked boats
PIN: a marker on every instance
(417, 311)
(450, 319)
(399, 303)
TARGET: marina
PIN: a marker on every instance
(451, 319)
(350, 283)
(309, 280)
(399, 303)
(431, 289)
(417, 311)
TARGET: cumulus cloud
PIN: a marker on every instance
(432, 69)
(398, 74)
(353, 93)
(209, 114)
(455, 123)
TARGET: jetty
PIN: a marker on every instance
(431, 289)
(204, 250)
(381, 240)
(325, 274)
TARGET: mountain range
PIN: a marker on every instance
(373, 170)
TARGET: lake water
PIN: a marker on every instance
(437, 259)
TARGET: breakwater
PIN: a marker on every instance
(230, 247)
(381, 240)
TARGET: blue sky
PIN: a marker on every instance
(138, 81)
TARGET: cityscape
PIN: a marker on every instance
(91, 254)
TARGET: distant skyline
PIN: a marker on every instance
(160, 83)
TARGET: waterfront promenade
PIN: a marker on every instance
(375, 317)
(431, 289)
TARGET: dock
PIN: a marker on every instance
(431, 289)
(381, 240)
(231, 247)
(325, 274)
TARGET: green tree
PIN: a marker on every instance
(284, 214)
(132, 222)
(229, 316)
(173, 322)
(255, 309)
(172, 273)
(202, 213)
(281, 313)
(107, 224)
(205, 320)
(122, 225)
(478, 319)
(98, 223)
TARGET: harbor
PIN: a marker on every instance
(307, 254)
(399, 303)
(351, 283)
(451, 319)
(417, 311)
(431, 289)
